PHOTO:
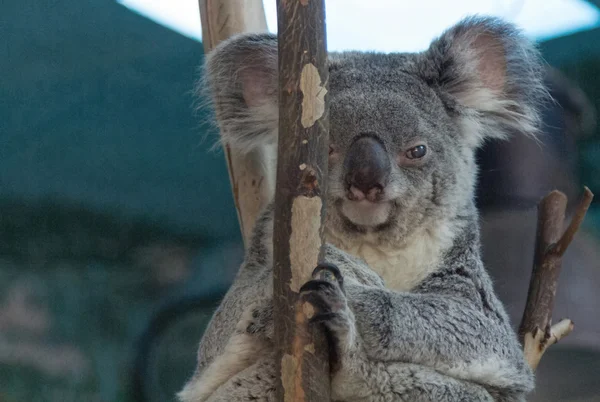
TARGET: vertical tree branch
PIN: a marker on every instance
(250, 174)
(536, 331)
(300, 196)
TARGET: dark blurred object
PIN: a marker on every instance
(165, 353)
(519, 172)
(167, 346)
(585, 72)
(514, 176)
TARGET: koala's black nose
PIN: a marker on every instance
(367, 169)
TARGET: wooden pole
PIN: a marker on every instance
(536, 331)
(250, 174)
(301, 188)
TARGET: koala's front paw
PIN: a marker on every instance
(325, 292)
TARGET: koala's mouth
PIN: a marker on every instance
(366, 213)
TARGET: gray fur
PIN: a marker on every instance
(435, 331)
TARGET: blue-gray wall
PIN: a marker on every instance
(96, 109)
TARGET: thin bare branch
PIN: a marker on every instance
(561, 246)
(536, 331)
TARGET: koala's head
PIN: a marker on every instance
(403, 127)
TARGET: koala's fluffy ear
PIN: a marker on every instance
(493, 75)
(241, 74)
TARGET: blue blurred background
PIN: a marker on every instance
(111, 203)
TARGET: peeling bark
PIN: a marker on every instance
(299, 197)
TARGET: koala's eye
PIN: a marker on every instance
(331, 149)
(415, 156)
(416, 152)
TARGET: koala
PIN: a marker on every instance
(402, 290)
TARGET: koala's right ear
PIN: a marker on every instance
(493, 72)
(241, 74)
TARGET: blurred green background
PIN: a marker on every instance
(112, 206)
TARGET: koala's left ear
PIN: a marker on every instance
(492, 74)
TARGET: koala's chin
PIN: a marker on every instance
(366, 213)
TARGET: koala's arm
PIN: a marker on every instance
(452, 322)
(382, 382)
(225, 349)
(359, 378)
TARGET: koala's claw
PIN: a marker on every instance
(258, 321)
(328, 272)
(326, 294)
(317, 285)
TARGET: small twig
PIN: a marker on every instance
(559, 331)
(561, 246)
(536, 331)
(536, 343)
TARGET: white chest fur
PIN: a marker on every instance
(404, 267)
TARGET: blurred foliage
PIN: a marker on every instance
(60, 230)
(72, 316)
(93, 313)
